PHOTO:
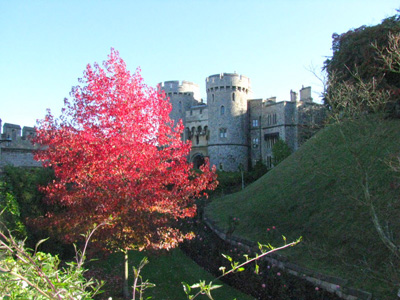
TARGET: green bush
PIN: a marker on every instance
(25, 274)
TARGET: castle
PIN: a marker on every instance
(234, 130)
(16, 147)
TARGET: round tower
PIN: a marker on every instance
(182, 96)
(227, 96)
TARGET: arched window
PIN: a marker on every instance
(233, 96)
(222, 110)
(199, 129)
(212, 97)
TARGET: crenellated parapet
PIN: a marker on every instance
(16, 147)
(228, 81)
(176, 87)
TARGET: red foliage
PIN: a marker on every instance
(117, 159)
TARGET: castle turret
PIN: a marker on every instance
(182, 96)
(227, 96)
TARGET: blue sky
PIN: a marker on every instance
(46, 45)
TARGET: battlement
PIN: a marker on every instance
(13, 132)
(229, 79)
(179, 86)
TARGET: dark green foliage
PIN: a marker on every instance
(280, 151)
(23, 204)
(23, 184)
(353, 51)
(230, 182)
(20, 197)
(355, 58)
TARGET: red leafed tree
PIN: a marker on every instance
(118, 158)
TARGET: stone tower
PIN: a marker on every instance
(227, 96)
(182, 97)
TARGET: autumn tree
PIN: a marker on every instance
(118, 158)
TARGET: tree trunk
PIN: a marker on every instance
(125, 290)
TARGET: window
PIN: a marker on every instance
(212, 96)
(180, 106)
(255, 123)
(271, 139)
(222, 110)
(233, 96)
(222, 133)
(255, 142)
(269, 161)
(274, 121)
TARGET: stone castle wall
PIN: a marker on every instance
(16, 148)
(227, 96)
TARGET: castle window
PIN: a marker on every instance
(221, 87)
(222, 133)
(271, 139)
(197, 139)
(274, 120)
(233, 96)
(255, 123)
(212, 96)
(255, 142)
(269, 161)
(240, 89)
(222, 110)
(180, 106)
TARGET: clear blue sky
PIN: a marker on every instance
(45, 45)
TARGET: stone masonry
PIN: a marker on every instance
(234, 130)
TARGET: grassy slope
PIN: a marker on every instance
(316, 193)
(167, 272)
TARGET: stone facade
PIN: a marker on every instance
(234, 130)
(16, 147)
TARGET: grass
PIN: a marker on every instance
(317, 193)
(166, 271)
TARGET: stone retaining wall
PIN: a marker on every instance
(331, 284)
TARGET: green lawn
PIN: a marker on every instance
(317, 193)
(167, 271)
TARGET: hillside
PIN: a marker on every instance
(317, 193)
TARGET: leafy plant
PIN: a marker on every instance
(118, 157)
(27, 274)
(280, 151)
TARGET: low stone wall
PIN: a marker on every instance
(18, 157)
(331, 284)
